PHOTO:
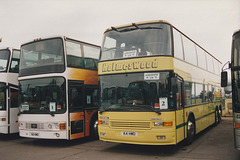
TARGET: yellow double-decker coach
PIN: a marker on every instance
(157, 86)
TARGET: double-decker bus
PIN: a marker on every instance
(9, 67)
(157, 86)
(235, 72)
(58, 89)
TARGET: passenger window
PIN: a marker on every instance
(210, 93)
(216, 67)
(189, 51)
(199, 93)
(74, 55)
(201, 58)
(90, 64)
(15, 61)
(91, 96)
(91, 55)
(210, 63)
(189, 93)
(178, 51)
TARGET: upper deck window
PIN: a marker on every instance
(236, 52)
(15, 61)
(2, 96)
(4, 57)
(82, 55)
(137, 41)
(45, 56)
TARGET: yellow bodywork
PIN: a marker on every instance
(138, 127)
(132, 123)
(141, 123)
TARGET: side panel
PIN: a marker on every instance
(77, 125)
(76, 108)
(88, 116)
(180, 125)
(138, 128)
(236, 119)
(3, 122)
(43, 126)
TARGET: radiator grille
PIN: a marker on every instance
(130, 124)
(34, 125)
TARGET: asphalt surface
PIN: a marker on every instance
(215, 143)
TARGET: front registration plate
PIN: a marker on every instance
(34, 134)
(123, 133)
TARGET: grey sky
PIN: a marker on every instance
(210, 23)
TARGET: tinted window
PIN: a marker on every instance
(15, 61)
(209, 63)
(178, 51)
(2, 96)
(137, 41)
(45, 56)
(201, 55)
(189, 51)
(4, 57)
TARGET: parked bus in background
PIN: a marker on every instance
(157, 86)
(58, 86)
(235, 72)
(9, 67)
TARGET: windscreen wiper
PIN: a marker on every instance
(106, 109)
(149, 108)
(109, 108)
(45, 108)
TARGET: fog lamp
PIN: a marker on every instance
(103, 134)
(161, 137)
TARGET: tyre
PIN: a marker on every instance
(94, 129)
(217, 119)
(190, 131)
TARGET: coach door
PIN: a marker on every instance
(13, 110)
(76, 107)
(180, 111)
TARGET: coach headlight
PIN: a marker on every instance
(103, 122)
(21, 125)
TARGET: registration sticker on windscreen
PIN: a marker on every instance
(124, 133)
(151, 76)
(132, 53)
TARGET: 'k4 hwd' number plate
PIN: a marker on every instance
(123, 133)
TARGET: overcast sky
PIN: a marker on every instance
(210, 23)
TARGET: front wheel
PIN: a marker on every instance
(217, 119)
(190, 131)
(94, 129)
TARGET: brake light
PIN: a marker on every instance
(3, 119)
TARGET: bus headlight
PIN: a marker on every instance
(21, 125)
(56, 126)
(103, 122)
(49, 126)
(158, 123)
(166, 124)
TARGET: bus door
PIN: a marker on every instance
(180, 127)
(13, 109)
(76, 108)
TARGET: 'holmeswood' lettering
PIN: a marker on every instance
(129, 66)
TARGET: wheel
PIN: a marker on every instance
(216, 118)
(94, 129)
(220, 114)
(190, 131)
